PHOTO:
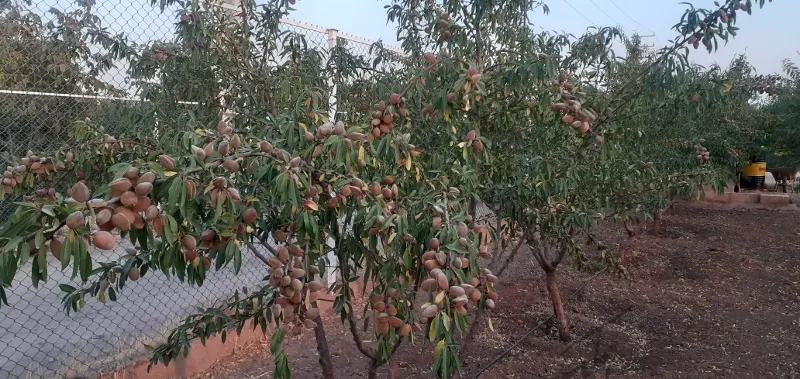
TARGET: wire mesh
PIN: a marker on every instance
(52, 73)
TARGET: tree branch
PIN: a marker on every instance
(357, 337)
(258, 255)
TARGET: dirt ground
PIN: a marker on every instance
(713, 293)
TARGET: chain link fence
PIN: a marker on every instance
(54, 71)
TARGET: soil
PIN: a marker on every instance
(712, 293)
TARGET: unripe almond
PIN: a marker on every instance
(143, 188)
(129, 199)
(80, 192)
(166, 161)
(380, 306)
(121, 222)
(386, 193)
(471, 135)
(249, 215)
(224, 148)
(427, 284)
(460, 300)
(584, 127)
(476, 296)
(120, 185)
(297, 273)
(275, 263)
(391, 310)
(462, 229)
(434, 244)
(151, 213)
(332, 203)
(405, 330)
(339, 129)
(75, 220)
(382, 328)
(104, 240)
(235, 142)
(297, 285)
(265, 147)
(456, 291)
(283, 254)
(375, 188)
(430, 311)
(189, 255)
(441, 257)
(394, 99)
(355, 136)
(567, 119)
(489, 303)
(477, 145)
(395, 322)
(443, 282)
(56, 247)
(315, 286)
(312, 313)
(206, 263)
(133, 274)
(431, 264)
(491, 278)
(493, 295)
(189, 242)
(231, 165)
(158, 225)
(208, 149)
(198, 153)
(191, 189)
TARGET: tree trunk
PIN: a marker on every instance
(373, 369)
(324, 350)
(657, 220)
(631, 230)
(470, 336)
(558, 306)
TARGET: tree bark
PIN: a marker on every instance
(474, 325)
(323, 349)
(631, 230)
(558, 306)
(373, 369)
(657, 220)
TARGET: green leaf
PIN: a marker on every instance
(24, 253)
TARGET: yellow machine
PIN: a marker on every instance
(753, 175)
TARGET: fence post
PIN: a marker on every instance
(333, 262)
(333, 36)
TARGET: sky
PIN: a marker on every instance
(767, 37)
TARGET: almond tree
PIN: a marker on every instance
(479, 108)
(256, 165)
